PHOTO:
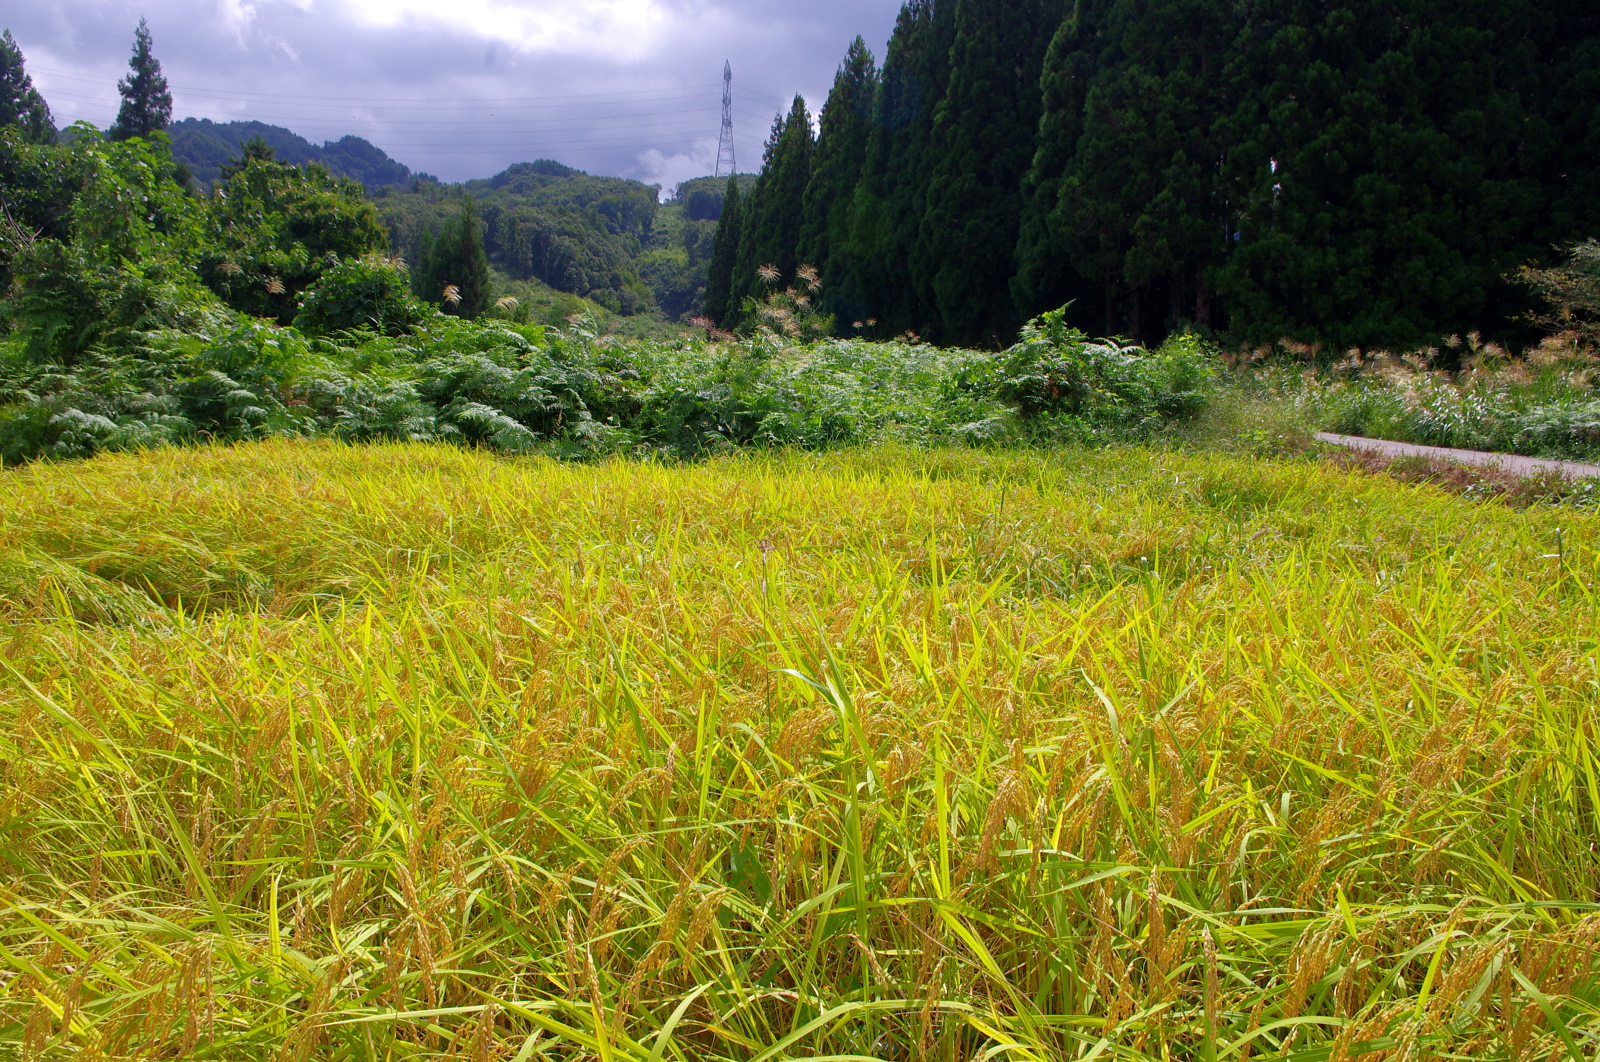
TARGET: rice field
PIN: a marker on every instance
(310, 751)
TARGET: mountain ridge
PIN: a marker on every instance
(204, 146)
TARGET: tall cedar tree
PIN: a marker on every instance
(982, 145)
(886, 217)
(146, 102)
(1391, 164)
(455, 258)
(21, 106)
(720, 305)
(1123, 202)
(770, 231)
(836, 169)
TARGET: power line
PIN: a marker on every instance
(600, 99)
(569, 127)
(397, 100)
(191, 98)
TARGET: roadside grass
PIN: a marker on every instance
(1542, 404)
(319, 751)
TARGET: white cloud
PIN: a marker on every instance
(616, 29)
(656, 167)
(237, 16)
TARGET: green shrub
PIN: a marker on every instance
(66, 301)
(272, 230)
(369, 293)
(1055, 371)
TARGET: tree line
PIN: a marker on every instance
(146, 100)
(604, 239)
(1353, 172)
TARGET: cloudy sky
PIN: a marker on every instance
(463, 88)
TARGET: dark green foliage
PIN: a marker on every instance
(38, 184)
(1358, 174)
(21, 106)
(1124, 198)
(492, 384)
(701, 203)
(982, 143)
(118, 260)
(502, 387)
(769, 227)
(256, 149)
(206, 147)
(887, 217)
(452, 270)
(1366, 172)
(1574, 116)
(273, 228)
(720, 305)
(1413, 163)
(358, 159)
(516, 389)
(369, 294)
(146, 101)
(837, 168)
(1055, 369)
(68, 301)
(166, 387)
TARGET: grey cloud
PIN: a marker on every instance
(456, 101)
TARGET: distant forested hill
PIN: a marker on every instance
(204, 145)
(605, 238)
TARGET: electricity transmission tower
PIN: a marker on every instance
(725, 164)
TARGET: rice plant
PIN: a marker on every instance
(314, 751)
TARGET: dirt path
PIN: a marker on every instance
(1516, 464)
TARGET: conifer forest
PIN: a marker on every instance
(1356, 174)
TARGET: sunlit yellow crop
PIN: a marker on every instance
(325, 752)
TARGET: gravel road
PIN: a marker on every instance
(1513, 463)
